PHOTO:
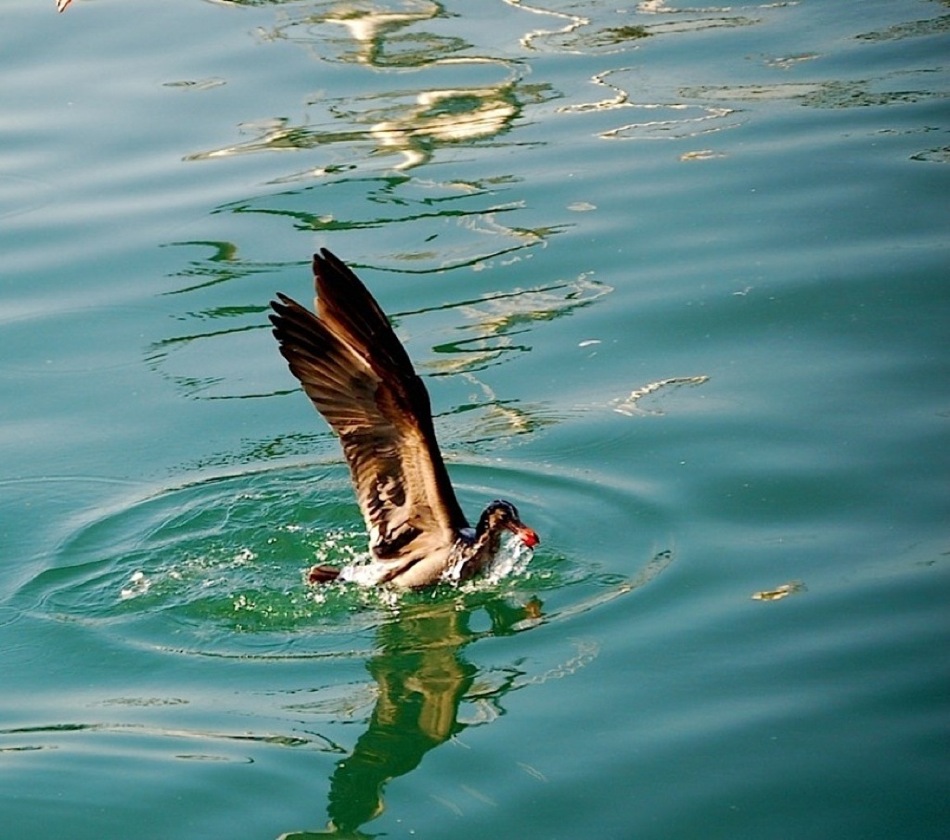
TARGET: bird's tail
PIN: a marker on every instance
(322, 574)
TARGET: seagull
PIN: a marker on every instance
(360, 378)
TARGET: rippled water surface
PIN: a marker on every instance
(676, 278)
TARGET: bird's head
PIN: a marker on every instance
(504, 515)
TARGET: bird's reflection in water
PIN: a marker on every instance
(422, 677)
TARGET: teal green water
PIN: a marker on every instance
(677, 278)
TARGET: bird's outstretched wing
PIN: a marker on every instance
(360, 378)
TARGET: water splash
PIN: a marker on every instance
(511, 561)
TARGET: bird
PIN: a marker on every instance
(359, 376)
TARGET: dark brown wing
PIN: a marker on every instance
(359, 377)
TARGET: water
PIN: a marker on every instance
(676, 277)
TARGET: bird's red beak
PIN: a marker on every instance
(527, 535)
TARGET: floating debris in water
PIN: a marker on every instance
(701, 154)
(783, 591)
